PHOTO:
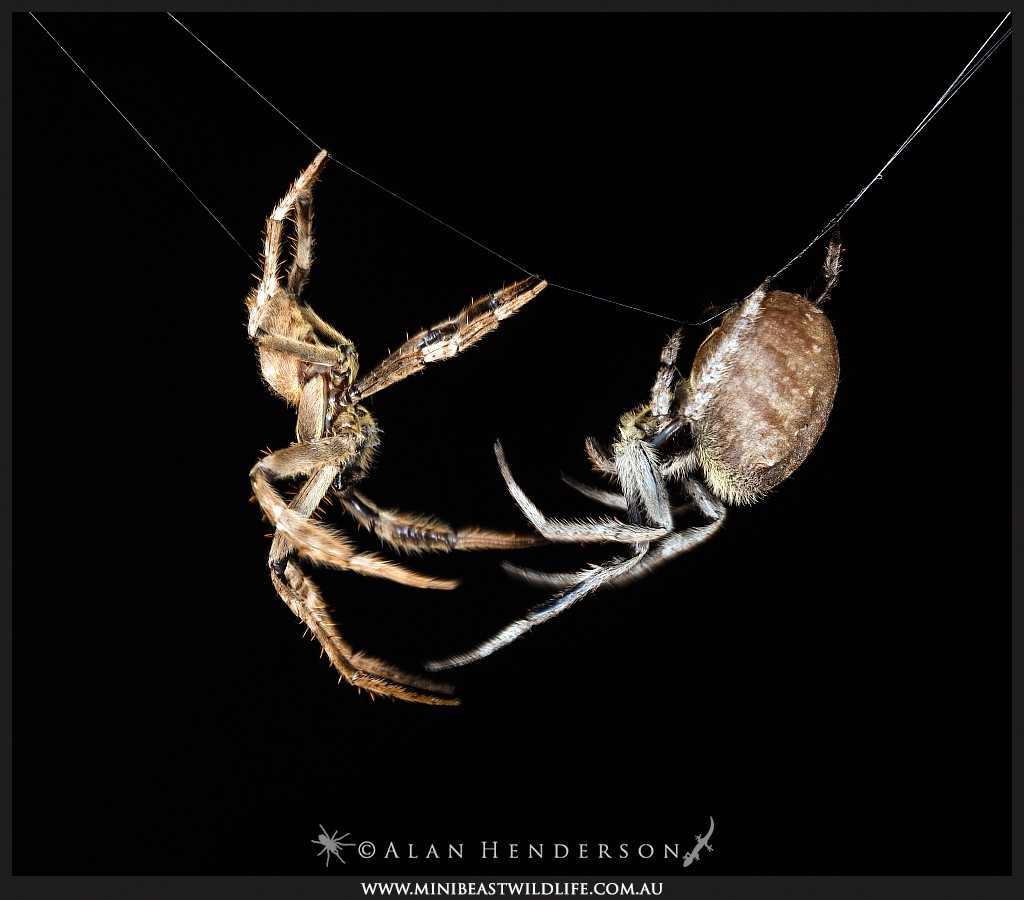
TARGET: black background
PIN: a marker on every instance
(828, 678)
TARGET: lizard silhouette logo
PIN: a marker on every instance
(702, 842)
(331, 845)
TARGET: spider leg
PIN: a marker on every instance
(261, 301)
(314, 540)
(303, 597)
(642, 483)
(615, 500)
(551, 581)
(574, 587)
(612, 499)
(378, 677)
(668, 548)
(661, 551)
(663, 392)
(587, 581)
(302, 255)
(302, 350)
(562, 580)
(600, 457)
(287, 332)
(449, 338)
(571, 530)
(830, 269)
(679, 542)
(660, 408)
(324, 329)
(419, 533)
(645, 496)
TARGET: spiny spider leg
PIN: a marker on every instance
(614, 500)
(301, 594)
(637, 467)
(646, 498)
(450, 337)
(419, 533)
(321, 543)
(302, 249)
(260, 305)
(572, 530)
(660, 552)
(552, 581)
(668, 548)
(830, 270)
(600, 457)
(662, 394)
(587, 581)
(303, 597)
(611, 499)
(378, 677)
(663, 391)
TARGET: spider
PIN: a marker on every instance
(758, 397)
(314, 367)
(331, 845)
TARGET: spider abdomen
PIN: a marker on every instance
(765, 380)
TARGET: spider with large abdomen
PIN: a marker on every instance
(757, 399)
(315, 368)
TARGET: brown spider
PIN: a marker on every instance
(314, 367)
(758, 397)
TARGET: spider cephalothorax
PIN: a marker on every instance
(314, 367)
(757, 399)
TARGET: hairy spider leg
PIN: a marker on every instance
(449, 338)
(640, 480)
